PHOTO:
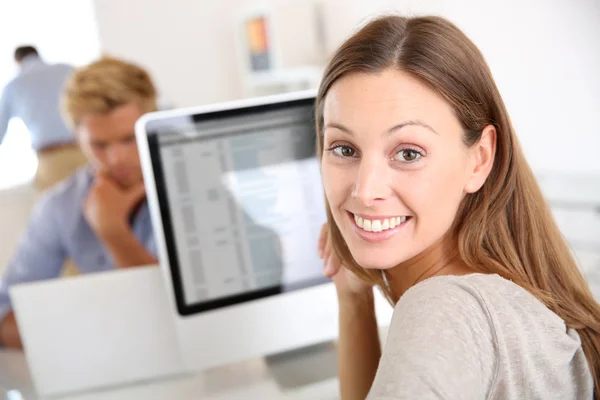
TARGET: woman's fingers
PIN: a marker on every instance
(331, 264)
(323, 239)
(335, 264)
(327, 270)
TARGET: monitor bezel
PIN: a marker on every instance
(147, 130)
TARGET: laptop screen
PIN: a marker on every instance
(241, 202)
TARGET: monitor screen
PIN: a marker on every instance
(241, 202)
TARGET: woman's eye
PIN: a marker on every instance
(408, 155)
(344, 151)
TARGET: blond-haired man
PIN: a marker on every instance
(98, 217)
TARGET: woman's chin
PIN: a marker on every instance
(373, 261)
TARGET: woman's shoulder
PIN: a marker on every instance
(489, 296)
(477, 336)
(482, 299)
(467, 294)
(441, 336)
(491, 329)
(458, 303)
(471, 284)
(454, 285)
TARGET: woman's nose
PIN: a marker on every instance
(372, 182)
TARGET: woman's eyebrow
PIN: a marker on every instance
(393, 129)
(413, 123)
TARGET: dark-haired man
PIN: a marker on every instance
(33, 96)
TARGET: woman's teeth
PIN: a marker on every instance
(378, 225)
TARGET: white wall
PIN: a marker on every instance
(190, 47)
(15, 207)
(63, 31)
(544, 55)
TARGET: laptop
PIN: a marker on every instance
(98, 330)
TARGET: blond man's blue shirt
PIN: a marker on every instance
(58, 230)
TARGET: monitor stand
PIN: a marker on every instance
(303, 366)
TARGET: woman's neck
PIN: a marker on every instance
(441, 258)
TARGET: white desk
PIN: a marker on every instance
(244, 381)
(577, 214)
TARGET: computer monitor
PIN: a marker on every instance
(237, 205)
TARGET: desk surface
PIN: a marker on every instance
(248, 380)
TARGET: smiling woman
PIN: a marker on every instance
(430, 198)
(387, 160)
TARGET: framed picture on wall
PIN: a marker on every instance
(258, 43)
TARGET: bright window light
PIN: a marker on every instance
(18, 161)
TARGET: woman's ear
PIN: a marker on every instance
(481, 159)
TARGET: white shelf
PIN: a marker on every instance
(282, 80)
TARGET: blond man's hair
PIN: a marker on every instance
(105, 85)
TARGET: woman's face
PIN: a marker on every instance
(394, 166)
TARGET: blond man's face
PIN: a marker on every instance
(108, 141)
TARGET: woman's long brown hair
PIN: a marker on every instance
(505, 228)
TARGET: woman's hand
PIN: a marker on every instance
(358, 347)
(345, 281)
